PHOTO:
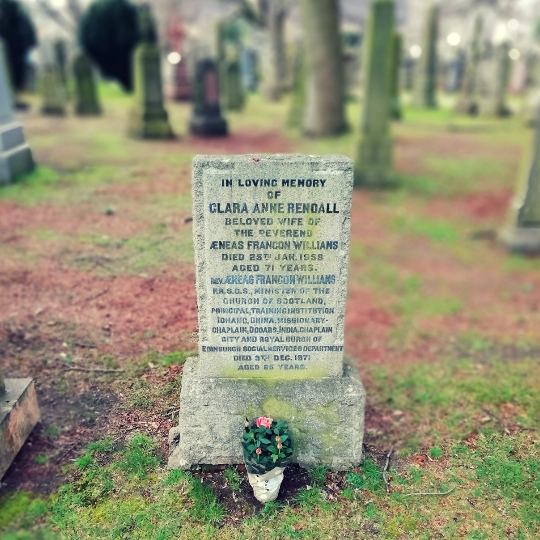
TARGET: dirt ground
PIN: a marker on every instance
(97, 281)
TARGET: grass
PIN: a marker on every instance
(467, 420)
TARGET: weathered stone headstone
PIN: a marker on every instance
(453, 73)
(249, 65)
(426, 76)
(298, 98)
(496, 103)
(468, 101)
(52, 93)
(181, 85)
(15, 155)
(232, 93)
(206, 119)
(395, 101)
(373, 165)
(60, 61)
(522, 233)
(19, 413)
(86, 97)
(271, 235)
(148, 118)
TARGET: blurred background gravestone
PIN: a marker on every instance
(19, 413)
(232, 93)
(52, 93)
(86, 92)
(522, 233)
(373, 165)
(15, 155)
(180, 84)
(148, 118)
(426, 73)
(395, 87)
(468, 100)
(496, 103)
(206, 119)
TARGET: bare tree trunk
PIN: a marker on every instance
(324, 112)
(276, 71)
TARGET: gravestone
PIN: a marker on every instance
(271, 235)
(395, 101)
(468, 100)
(232, 93)
(181, 85)
(373, 165)
(60, 62)
(148, 118)
(19, 413)
(453, 73)
(206, 120)
(248, 63)
(522, 232)
(426, 76)
(86, 98)
(15, 155)
(496, 103)
(52, 93)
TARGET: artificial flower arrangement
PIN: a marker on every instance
(268, 448)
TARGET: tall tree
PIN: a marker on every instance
(19, 36)
(324, 112)
(108, 33)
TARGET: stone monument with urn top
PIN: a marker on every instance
(148, 118)
(271, 235)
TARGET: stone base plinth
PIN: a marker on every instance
(326, 417)
(208, 126)
(373, 167)
(19, 413)
(15, 155)
(149, 125)
(521, 239)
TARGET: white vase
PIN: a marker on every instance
(266, 486)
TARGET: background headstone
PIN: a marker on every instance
(468, 100)
(395, 90)
(15, 155)
(496, 103)
(426, 74)
(86, 98)
(148, 118)
(231, 90)
(52, 93)
(206, 119)
(522, 233)
(249, 66)
(19, 413)
(373, 165)
(271, 237)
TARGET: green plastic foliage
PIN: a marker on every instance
(267, 445)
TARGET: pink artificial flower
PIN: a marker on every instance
(278, 438)
(263, 421)
(280, 446)
(258, 451)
